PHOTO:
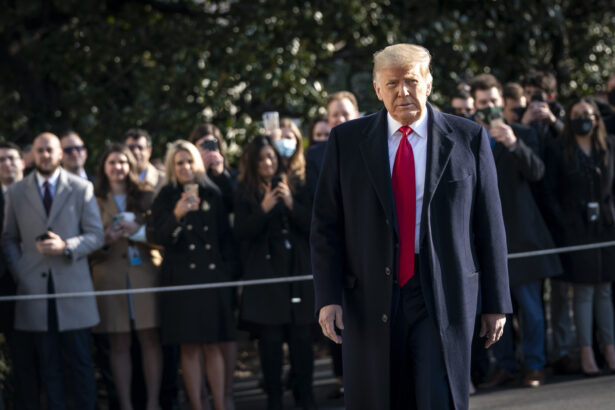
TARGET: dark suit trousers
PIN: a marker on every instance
(418, 374)
(65, 364)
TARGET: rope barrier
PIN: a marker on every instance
(255, 282)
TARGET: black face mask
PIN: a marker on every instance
(581, 126)
(611, 97)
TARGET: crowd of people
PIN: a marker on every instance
(195, 219)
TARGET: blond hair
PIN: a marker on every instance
(200, 176)
(296, 163)
(403, 55)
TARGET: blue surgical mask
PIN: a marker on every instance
(286, 147)
(581, 126)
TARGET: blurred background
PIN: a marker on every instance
(104, 66)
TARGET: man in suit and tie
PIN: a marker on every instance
(51, 224)
(407, 228)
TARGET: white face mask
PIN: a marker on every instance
(286, 147)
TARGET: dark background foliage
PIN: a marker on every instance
(104, 66)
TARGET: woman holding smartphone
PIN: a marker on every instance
(579, 181)
(127, 261)
(192, 226)
(272, 223)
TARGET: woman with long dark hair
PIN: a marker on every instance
(272, 223)
(192, 225)
(127, 261)
(580, 173)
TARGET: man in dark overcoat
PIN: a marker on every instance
(515, 152)
(406, 293)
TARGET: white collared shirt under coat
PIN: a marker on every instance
(418, 141)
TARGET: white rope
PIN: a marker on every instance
(254, 282)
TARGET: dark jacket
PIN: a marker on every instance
(313, 165)
(570, 185)
(7, 284)
(197, 249)
(263, 239)
(525, 228)
(354, 247)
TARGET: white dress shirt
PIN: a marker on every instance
(418, 141)
(53, 181)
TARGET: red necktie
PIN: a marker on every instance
(404, 190)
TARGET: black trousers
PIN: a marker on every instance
(65, 364)
(418, 373)
(299, 338)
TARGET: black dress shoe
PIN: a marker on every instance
(499, 378)
(533, 378)
(592, 374)
(566, 365)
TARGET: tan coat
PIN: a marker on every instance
(153, 177)
(111, 269)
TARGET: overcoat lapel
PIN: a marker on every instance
(60, 197)
(375, 151)
(439, 148)
(34, 196)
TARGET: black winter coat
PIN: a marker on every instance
(525, 228)
(198, 249)
(569, 186)
(264, 238)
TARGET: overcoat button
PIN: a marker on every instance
(386, 221)
(207, 246)
(267, 256)
(206, 228)
(385, 318)
(192, 266)
(191, 246)
(387, 271)
(189, 227)
(212, 266)
(44, 274)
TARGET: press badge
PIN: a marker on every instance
(134, 256)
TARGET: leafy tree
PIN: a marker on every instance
(102, 67)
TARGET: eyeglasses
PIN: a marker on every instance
(134, 147)
(69, 150)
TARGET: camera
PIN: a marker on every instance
(275, 180)
(210, 145)
(593, 211)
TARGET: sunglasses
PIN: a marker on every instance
(69, 150)
(134, 147)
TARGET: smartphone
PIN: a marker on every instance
(271, 120)
(117, 220)
(192, 190)
(43, 237)
(275, 180)
(210, 145)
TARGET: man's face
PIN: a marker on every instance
(75, 153)
(11, 166)
(511, 108)
(141, 150)
(403, 91)
(47, 153)
(487, 98)
(463, 107)
(340, 111)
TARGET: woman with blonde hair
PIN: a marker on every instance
(192, 225)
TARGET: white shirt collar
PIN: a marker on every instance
(419, 127)
(52, 179)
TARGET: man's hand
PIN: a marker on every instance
(329, 317)
(492, 327)
(503, 134)
(52, 246)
